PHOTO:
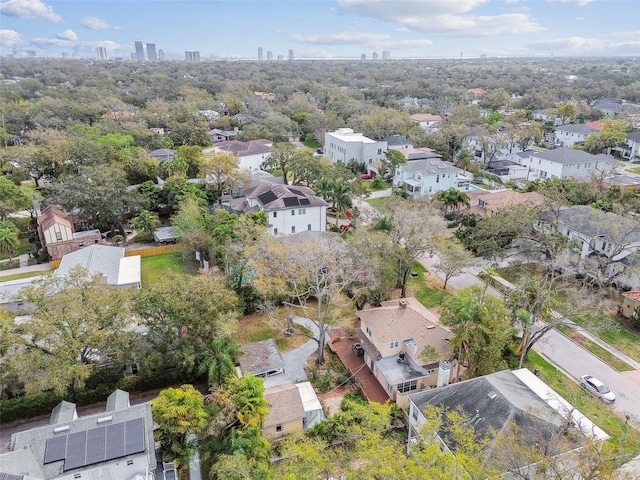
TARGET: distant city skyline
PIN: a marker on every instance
(323, 28)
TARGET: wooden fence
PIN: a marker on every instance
(151, 251)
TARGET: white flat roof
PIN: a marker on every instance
(310, 401)
(129, 272)
(348, 135)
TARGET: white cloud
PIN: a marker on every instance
(577, 2)
(341, 38)
(29, 9)
(625, 43)
(68, 35)
(10, 38)
(95, 23)
(580, 19)
(443, 17)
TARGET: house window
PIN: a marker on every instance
(379, 151)
(278, 428)
(54, 250)
(302, 211)
(293, 229)
(408, 386)
(68, 247)
(368, 330)
(129, 462)
(430, 188)
(293, 212)
(275, 231)
(59, 236)
(437, 178)
(275, 214)
(309, 226)
(393, 344)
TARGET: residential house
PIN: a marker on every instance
(489, 202)
(630, 302)
(292, 408)
(428, 177)
(572, 134)
(116, 268)
(58, 236)
(631, 148)
(217, 135)
(210, 115)
(251, 154)
(507, 170)
(410, 154)
(393, 337)
(564, 162)
(163, 154)
(596, 232)
(290, 209)
(115, 444)
(614, 106)
(344, 144)
(427, 121)
(397, 142)
(545, 117)
(501, 401)
(261, 359)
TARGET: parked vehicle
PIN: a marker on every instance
(596, 388)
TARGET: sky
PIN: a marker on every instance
(323, 28)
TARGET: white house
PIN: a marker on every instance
(398, 142)
(427, 177)
(563, 163)
(343, 145)
(251, 154)
(291, 209)
(427, 121)
(631, 148)
(545, 117)
(570, 135)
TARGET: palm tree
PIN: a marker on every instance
(324, 188)
(146, 223)
(465, 160)
(449, 198)
(8, 238)
(341, 197)
(219, 359)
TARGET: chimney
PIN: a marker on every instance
(443, 373)
(402, 304)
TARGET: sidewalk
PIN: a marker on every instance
(25, 267)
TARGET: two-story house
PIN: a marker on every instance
(291, 209)
(427, 121)
(564, 163)
(344, 144)
(251, 154)
(58, 236)
(428, 177)
(394, 336)
(631, 148)
(572, 134)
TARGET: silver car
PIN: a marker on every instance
(596, 388)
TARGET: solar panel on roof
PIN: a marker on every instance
(10, 476)
(115, 441)
(55, 449)
(76, 448)
(267, 197)
(295, 191)
(96, 445)
(305, 201)
(290, 202)
(134, 436)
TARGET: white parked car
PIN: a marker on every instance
(598, 389)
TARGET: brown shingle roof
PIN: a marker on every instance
(426, 117)
(286, 405)
(495, 200)
(243, 149)
(51, 215)
(390, 322)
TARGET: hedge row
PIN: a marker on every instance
(26, 407)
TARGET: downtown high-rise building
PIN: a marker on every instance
(160, 54)
(192, 55)
(374, 56)
(30, 53)
(386, 55)
(151, 52)
(290, 57)
(269, 55)
(139, 50)
(260, 53)
(102, 53)
(363, 57)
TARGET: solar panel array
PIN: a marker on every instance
(10, 476)
(267, 197)
(96, 445)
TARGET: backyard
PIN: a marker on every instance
(153, 267)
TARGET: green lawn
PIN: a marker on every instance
(311, 142)
(634, 170)
(369, 186)
(428, 293)
(482, 186)
(378, 203)
(18, 276)
(24, 247)
(156, 266)
(612, 331)
(624, 439)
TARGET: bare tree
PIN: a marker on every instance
(454, 258)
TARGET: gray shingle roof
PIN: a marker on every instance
(430, 167)
(260, 357)
(579, 128)
(635, 136)
(596, 223)
(569, 155)
(95, 259)
(278, 197)
(393, 140)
